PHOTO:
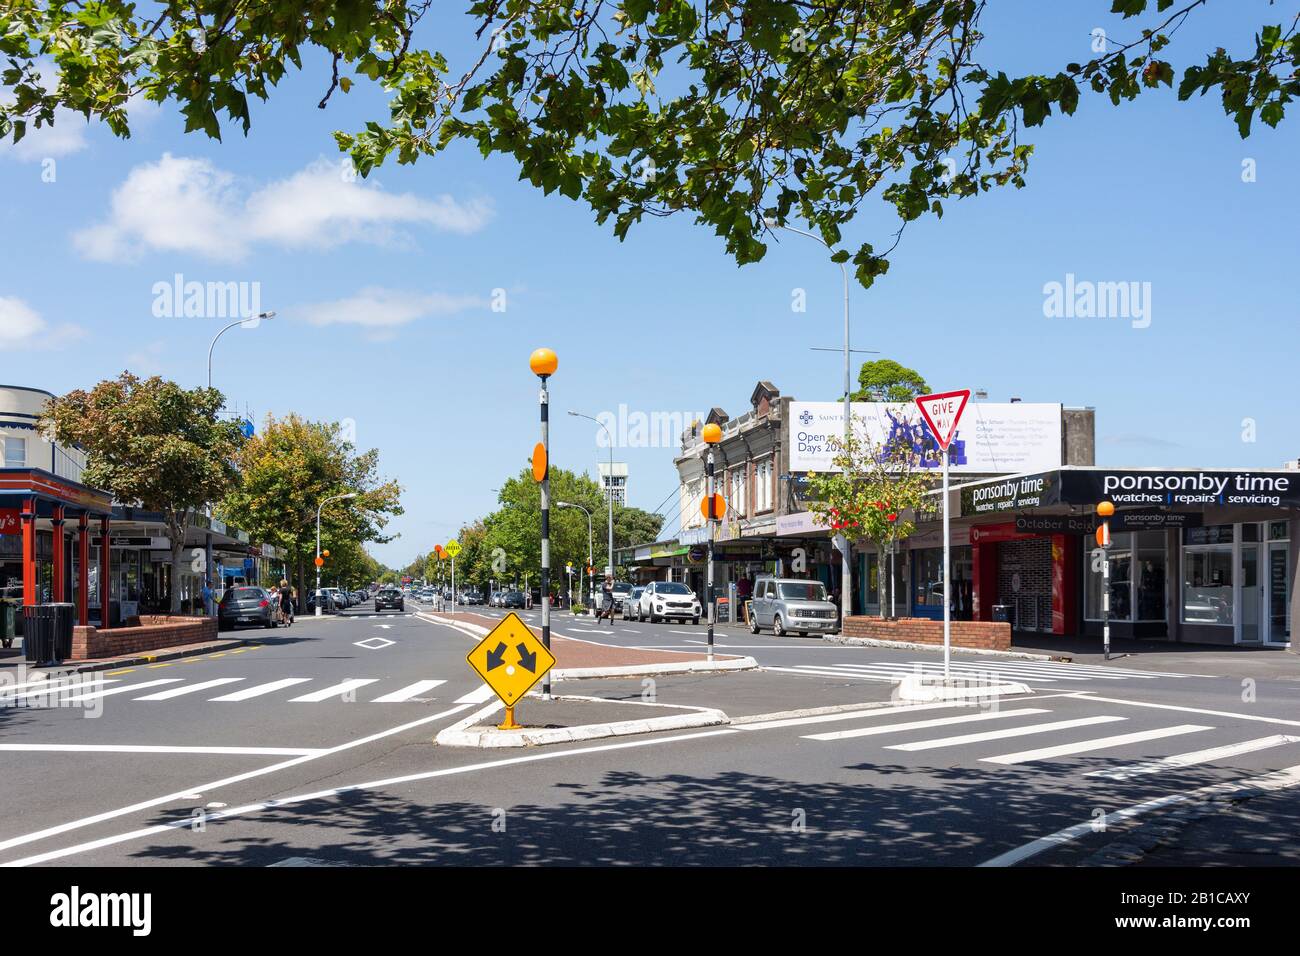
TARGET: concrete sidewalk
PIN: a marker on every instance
(14, 660)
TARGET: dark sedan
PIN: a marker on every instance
(246, 606)
(513, 599)
(390, 598)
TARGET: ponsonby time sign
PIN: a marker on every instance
(1178, 488)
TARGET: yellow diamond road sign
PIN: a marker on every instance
(511, 659)
(453, 547)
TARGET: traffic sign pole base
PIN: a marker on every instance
(509, 722)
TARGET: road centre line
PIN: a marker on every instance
(1085, 695)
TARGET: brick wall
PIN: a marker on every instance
(983, 635)
(149, 634)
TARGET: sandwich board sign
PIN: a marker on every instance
(941, 412)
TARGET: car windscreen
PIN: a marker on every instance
(243, 594)
(802, 591)
(671, 587)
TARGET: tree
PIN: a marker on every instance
(766, 108)
(876, 498)
(155, 444)
(289, 468)
(884, 380)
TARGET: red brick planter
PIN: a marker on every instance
(141, 634)
(982, 635)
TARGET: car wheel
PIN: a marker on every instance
(753, 623)
(778, 629)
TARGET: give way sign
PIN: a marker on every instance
(941, 412)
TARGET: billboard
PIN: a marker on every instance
(992, 437)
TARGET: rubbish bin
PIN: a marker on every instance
(1004, 612)
(64, 616)
(8, 624)
(38, 633)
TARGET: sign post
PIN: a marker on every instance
(511, 659)
(453, 549)
(941, 412)
(1105, 509)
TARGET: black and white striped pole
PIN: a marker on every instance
(712, 435)
(544, 362)
(1105, 510)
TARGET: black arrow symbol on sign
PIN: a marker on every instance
(527, 659)
(496, 658)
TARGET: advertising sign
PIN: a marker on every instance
(1178, 487)
(991, 438)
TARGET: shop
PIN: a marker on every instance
(1198, 556)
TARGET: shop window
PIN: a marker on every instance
(1207, 585)
(1149, 580)
(928, 588)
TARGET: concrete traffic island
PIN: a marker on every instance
(925, 688)
(568, 718)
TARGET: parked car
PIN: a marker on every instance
(513, 599)
(621, 591)
(340, 598)
(668, 600)
(632, 604)
(791, 605)
(390, 598)
(248, 606)
(327, 603)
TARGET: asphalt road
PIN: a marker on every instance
(333, 771)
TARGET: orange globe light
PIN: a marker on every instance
(324, 554)
(1106, 509)
(543, 362)
(712, 434)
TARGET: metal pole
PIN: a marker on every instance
(846, 569)
(453, 586)
(708, 480)
(317, 596)
(947, 578)
(543, 401)
(1105, 592)
(609, 493)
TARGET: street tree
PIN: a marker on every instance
(884, 380)
(289, 468)
(874, 495)
(731, 112)
(153, 444)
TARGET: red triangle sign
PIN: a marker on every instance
(941, 412)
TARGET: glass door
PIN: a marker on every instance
(1251, 595)
(1279, 593)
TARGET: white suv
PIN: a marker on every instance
(668, 600)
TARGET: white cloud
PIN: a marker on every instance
(21, 326)
(148, 360)
(66, 135)
(180, 204)
(382, 311)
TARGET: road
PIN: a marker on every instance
(313, 746)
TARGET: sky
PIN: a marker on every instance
(388, 291)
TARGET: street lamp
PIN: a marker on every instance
(846, 596)
(609, 491)
(319, 560)
(543, 363)
(1105, 509)
(566, 504)
(250, 323)
(712, 434)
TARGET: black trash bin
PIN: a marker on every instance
(1004, 612)
(38, 633)
(64, 617)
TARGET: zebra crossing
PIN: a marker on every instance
(1032, 673)
(218, 690)
(980, 736)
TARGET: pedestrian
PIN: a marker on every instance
(286, 601)
(607, 599)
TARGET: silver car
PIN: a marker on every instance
(792, 605)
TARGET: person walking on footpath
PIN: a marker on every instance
(607, 599)
(286, 601)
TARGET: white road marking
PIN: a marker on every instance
(479, 695)
(406, 693)
(260, 689)
(1190, 710)
(1099, 743)
(59, 687)
(1178, 761)
(337, 690)
(1277, 780)
(150, 749)
(123, 690)
(923, 724)
(1005, 732)
(844, 715)
(189, 689)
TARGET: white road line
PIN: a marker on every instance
(1006, 732)
(810, 671)
(338, 690)
(123, 690)
(844, 715)
(224, 782)
(964, 670)
(1277, 780)
(923, 724)
(1099, 743)
(260, 689)
(52, 683)
(150, 749)
(1087, 695)
(219, 815)
(479, 695)
(406, 693)
(189, 689)
(691, 633)
(1178, 761)
(55, 688)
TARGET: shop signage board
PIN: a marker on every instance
(1138, 520)
(1012, 494)
(10, 521)
(991, 438)
(1180, 487)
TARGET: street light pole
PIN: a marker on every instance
(846, 572)
(255, 319)
(609, 490)
(712, 434)
(543, 363)
(590, 559)
(350, 494)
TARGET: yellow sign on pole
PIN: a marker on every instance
(511, 659)
(453, 547)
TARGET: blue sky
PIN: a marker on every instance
(401, 271)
